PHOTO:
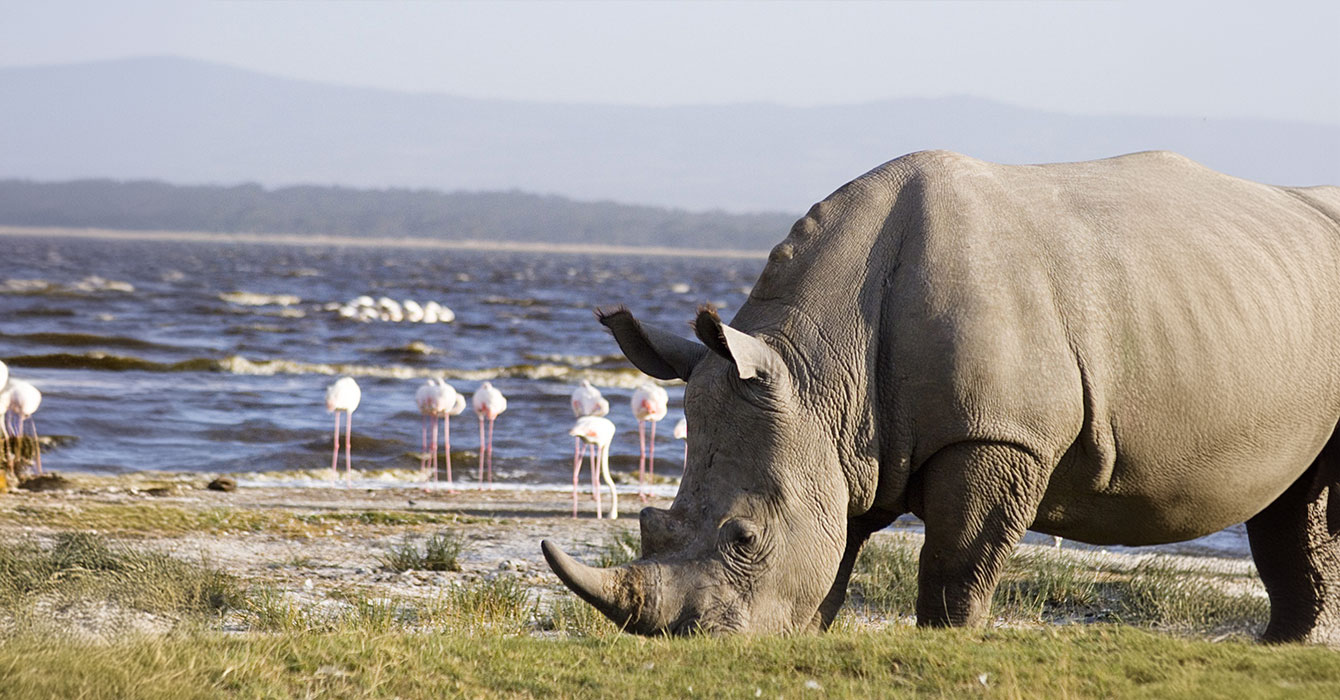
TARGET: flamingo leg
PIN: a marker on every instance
(4, 442)
(446, 438)
(433, 461)
(335, 451)
(686, 460)
(576, 470)
(423, 443)
(595, 480)
(37, 444)
(651, 456)
(348, 447)
(482, 449)
(605, 472)
(17, 429)
(642, 460)
(491, 452)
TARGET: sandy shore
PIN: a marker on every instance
(406, 242)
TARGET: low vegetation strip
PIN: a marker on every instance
(1099, 661)
(429, 617)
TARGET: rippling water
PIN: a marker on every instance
(215, 357)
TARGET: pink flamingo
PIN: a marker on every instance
(457, 408)
(23, 400)
(437, 398)
(586, 401)
(650, 404)
(343, 395)
(488, 403)
(597, 432)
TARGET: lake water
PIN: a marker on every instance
(214, 358)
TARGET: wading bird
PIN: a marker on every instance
(650, 404)
(488, 402)
(586, 401)
(596, 432)
(24, 398)
(434, 398)
(343, 395)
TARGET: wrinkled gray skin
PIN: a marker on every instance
(1129, 351)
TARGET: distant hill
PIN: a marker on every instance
(190, 122)
(342, 211)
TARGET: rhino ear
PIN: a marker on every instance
(751, 356)
(660, 354)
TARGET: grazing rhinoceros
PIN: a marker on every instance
(1128, 351)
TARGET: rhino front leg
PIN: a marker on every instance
(1296, 547)
(977, 500)
(859, 530)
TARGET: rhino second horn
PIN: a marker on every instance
(616, 593)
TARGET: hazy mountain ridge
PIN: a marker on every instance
(343, 211)
(191, 122)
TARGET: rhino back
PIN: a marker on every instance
(1166, 335)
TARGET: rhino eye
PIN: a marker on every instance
(739, 534)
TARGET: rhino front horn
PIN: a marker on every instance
(617, 593)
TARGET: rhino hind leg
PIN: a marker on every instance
(1295, 543)
(977, 500)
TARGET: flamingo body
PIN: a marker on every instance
(22, 400)
(488, 403)
(343, 397)
(650, 404)
(598, 432)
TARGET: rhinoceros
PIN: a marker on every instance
(1137, 350)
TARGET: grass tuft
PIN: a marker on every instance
(621, 547)
(439, 554)
(86, 567)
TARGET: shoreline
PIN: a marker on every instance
(351, 241)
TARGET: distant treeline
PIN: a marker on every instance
(340, 211)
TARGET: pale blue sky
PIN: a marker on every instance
(1210, 59)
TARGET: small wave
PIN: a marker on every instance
(107, 362)
(88, 285)
(575, 360)
(85, 339)
(622, 378)
(258, 299)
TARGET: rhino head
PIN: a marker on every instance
(753, 540)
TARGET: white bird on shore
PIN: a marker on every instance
(438, 399)
(488, 403)
(650, 404)
(427, 398)
(597, 432)
(586, 401)
(24, 398)
(456, 409)
(343, 395)
(682, 433)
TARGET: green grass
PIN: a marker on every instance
(621, 547)
(1043, 586)
(439, 554)
(82, 567)
(167, 519)
(1096, 661)
(490, 637)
